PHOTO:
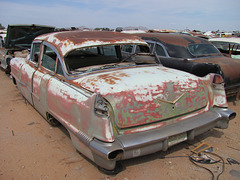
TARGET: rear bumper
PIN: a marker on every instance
(143, 143)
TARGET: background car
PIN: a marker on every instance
(116, 108)
(18, 42)
(195, 55)
(228, 45)
(3, 34)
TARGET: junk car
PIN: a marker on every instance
(229, 46)
(18, 42)
(195, 55)
(2, 37)
(116, 108)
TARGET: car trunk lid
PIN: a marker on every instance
(229, 66)
(146, 95)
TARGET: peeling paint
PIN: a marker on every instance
(68, 41)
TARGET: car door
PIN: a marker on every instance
(27, 72)
(47, 70)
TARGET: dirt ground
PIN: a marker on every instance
(31, 149)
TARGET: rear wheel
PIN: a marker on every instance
(8, 69)
(14, 81)
(51, 120)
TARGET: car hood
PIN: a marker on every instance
(229, 66)
(146, 95)
(21, 36)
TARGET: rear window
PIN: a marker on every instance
(202, 49)
(92, 56)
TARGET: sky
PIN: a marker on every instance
(204, 15)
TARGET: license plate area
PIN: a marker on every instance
(172, 140)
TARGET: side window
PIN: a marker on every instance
(151, 45)
(142, 49)
(160, 51)
(35, 52)
(49, 58)
(127, 48)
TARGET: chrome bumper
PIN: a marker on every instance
(143, 143)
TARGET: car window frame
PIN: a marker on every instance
(30, 60)
(57, 60)
(126, 53)
(153, 50)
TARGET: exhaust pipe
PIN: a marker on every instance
(228, 114)
(225, 116)
(106, 155)
(115, 154)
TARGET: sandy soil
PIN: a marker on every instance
(31, 149)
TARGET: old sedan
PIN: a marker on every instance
(194, 55)
(115, 108)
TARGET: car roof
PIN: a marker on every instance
(67, 41)
(173, 38)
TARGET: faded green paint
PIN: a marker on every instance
(130, 113)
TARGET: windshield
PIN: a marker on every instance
(202, 49)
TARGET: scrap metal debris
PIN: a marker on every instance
(202, 147)
(203, 154)
(204, 159)
(232, 161)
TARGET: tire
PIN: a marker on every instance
(52, 121)
(8, 69)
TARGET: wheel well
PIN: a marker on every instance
(8, 61)
(14, 81)
(51, 120)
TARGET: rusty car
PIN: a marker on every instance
(116, 108)
(18, 41)
(195, 55)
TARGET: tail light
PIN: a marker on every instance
(219, 94)
(100, 106)
(217, 79)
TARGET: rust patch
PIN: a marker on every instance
(176, 39)
(69, 40)
(111, 79)
(107, 78)
(78, 37)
